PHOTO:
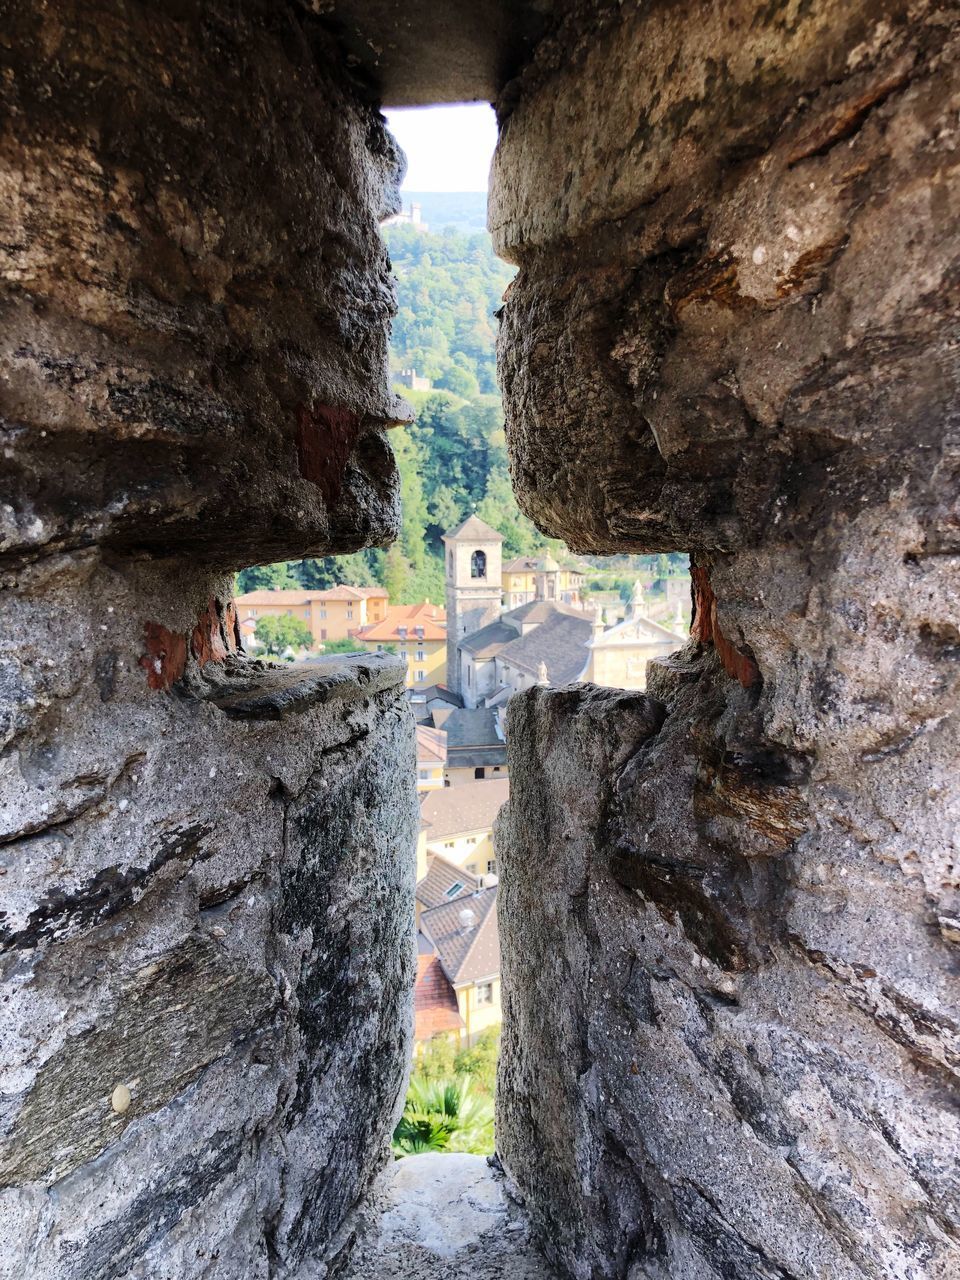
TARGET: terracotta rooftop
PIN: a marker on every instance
(434, 1000)
(455, 811)
(431, 617)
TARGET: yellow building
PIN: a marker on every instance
(416, 631)
(618, 656)
(457, 825)
(528, 578)
(457, 990)
(431, 757)
(333, 614)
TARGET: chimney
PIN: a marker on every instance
(467, 918)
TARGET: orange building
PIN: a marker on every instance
(419, 633)
(334, 614)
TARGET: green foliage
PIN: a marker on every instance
(444, 1115)
(281, 632)
(449, 286)
(452, 459)
(342, 646)
(479, 1062)
(330, 571)
(268, 577)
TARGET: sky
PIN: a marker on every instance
(448, 148)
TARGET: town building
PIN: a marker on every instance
(476, 746)
(416, 631)
(457, 824)
(457, 988)
(431, 757)
(331, 614)
(619, 654)
(472, 562)
(431, 703)
(550, 638)
(530, 578)
(461, 936)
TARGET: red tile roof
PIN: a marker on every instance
(434, 1000)
(431, 617)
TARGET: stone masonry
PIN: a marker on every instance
(206, 861)
(730, 909)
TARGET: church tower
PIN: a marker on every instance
(473, 556)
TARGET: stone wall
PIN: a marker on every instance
(730, 910)
(206, 861)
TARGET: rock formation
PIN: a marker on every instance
(729, 910)
(729, 907)
(206, 861)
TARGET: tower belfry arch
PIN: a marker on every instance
(473, 555)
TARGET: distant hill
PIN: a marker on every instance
(464, 210)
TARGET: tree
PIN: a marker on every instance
(279, 632)
(396, 573)
(267, 577)
(342, 646)
(462, 382)
(330, 571)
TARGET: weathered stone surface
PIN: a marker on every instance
(443, 1217)
(210, 908)
(730, 1027)
(727, 914)
(195, 295)
(206, 862)
(734, 244)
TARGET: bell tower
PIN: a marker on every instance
(473, 563)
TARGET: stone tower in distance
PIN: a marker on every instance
(473, 563)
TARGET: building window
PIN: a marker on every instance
(485, 993)
(471, 839)
(448, 844)
(491, 866)
(454, 889)
(478, 564)
(479, 773)
(323, 633)
(349, 611)
(419, 677)
(423, 775)
(323, 613)
(421, 656)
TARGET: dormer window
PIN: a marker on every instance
(478, 564)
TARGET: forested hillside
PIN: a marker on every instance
(453, 458)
